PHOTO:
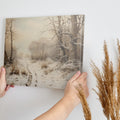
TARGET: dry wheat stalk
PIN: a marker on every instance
(118, 73)
(86, 109)
(108, 86)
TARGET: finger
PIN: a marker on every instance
(75, 76)
(11, 86)
(0, 69)
(2, 79)
(7, 87)
(82, 81)
(83, 76)
(2, 75)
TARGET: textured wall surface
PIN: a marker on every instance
(102, 22)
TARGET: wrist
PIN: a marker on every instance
(67, 105)
(69, 101)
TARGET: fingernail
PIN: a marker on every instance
(11, 85)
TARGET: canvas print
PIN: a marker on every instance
(43, 51)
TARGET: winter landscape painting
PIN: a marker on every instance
(43, 51)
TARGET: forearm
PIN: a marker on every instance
(59, 111)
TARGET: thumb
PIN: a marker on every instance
(75, 76)
(2, 74)
(2, 80)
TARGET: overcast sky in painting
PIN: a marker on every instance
(27, 30)
(31, 29)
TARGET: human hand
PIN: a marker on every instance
(3, 86)
(71, 93)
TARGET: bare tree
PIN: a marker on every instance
(11, 31)
(59, 29)
(69, 33)
(5, 58)
(77, 32)
(77, 23)
(74, 33)
(9, 35)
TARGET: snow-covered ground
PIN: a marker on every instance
(38, 73)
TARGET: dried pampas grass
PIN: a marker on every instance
(108, 84)
(86, 110)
